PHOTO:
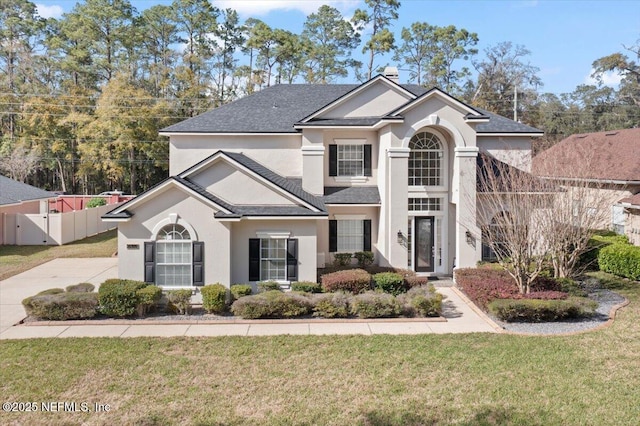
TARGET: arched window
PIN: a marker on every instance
(174, 260)
(425, 160)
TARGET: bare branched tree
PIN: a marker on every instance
(580, 207)
(20, 162)
(511, 204)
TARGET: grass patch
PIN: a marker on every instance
(17, 259)
(492, 379)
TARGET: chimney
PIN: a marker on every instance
(392, 74)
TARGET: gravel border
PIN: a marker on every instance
(608, 303)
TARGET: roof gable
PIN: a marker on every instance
(439, 94)
(266, 176)
(375, 98)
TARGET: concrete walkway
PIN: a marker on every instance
(460, 316)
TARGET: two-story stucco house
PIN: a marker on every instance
(271, 186)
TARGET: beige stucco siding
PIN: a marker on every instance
(192, 213)
(303, 230)
(515, 151)
(374, 101)
(281, 153)
(238, 187)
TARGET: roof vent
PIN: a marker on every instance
(611, 133)
(392, 74)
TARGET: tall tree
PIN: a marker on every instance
(230, 39)
(107, 24)
(450, 45)
(506, 83)
(378, 17)
(331, 40)
(416, 50)
(628, 68)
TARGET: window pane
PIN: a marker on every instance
(273, 256)
(173, 263)
(350, 235)
(425, 160)
(350, 160)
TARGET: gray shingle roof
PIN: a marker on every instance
(270, 211)
(277, 108)
(351, 195)
(12, 191)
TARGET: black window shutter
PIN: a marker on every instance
(366, 243)
(292, 259)
(367, 160)
(254, 259)
(333, 236)
(149, 261)
(333, 160)
(198, 263)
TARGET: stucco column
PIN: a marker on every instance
(313, 161)
(467, 232)
(396, 206)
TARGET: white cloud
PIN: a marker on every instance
(609, 78)
(53, 11)
(263, 7)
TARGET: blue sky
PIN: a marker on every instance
(564, 37)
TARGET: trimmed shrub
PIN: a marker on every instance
(50, 291)
(268, 286)
(240, 290)
(331, 305)
(96, 202)
(390, 282)
(484, 285)
(147, 298)
(375, 305)
(600, 240)
(271, 304)
(421, 301)
(180, 301)
(119, 298)
(81, 288)
(62, 306)
(306, 287)
(531, 310)
(364, 258)
(214, 298)
(353, 281)
(342, 259)
(571, 287)
(621, 259)
(415, 281)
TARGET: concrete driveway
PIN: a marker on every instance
(459, 315)
(58, 273)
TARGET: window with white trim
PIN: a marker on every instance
(350, 235)
(425, 160)
(174, 257)
(424, 204)
(273, 259)
(351, 160)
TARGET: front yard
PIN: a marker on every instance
(591, 378)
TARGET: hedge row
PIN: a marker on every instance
(620, 259)
(529, 310)
(419, 301)
(358, 281)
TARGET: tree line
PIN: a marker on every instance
(83, 96)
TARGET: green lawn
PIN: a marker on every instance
(16, 259)
(585, 379)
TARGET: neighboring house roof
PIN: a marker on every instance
(277, 109)
(493, 174)
(632, 202)
(351, 195)
(14, 192)
(610, 156)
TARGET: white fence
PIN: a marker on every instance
(55, 228)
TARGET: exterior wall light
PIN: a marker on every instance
(400, 237)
